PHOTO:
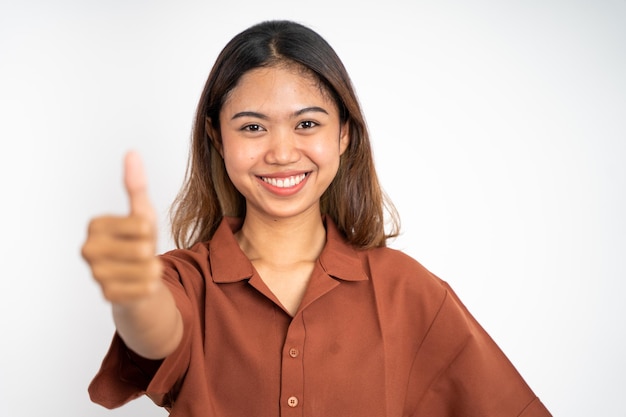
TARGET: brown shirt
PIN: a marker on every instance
(376, 335)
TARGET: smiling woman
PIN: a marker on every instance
(283, 298)
(283, 154)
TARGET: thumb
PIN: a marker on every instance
(136, 186)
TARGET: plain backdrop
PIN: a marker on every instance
(498, 129)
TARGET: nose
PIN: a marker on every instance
(282, 148)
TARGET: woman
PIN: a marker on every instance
(283, 298)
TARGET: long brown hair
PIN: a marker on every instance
(354, 199)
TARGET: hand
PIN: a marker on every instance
(120, 250)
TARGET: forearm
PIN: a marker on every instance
(152, 327)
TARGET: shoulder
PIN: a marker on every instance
(205, 264)
(401, 282)
(386, 254)
(195, 258)
(186, 270)
(200, 255)
(394, 265)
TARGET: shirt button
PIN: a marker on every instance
(292, 402)
(293, 352)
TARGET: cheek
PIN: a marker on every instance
(233, 152)
(234, 163)
(238, 159)
(231, 160)
(327, 151)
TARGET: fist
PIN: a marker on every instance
(121, 250)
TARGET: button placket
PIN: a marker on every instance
(292, 374)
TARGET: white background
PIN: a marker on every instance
(498, 128)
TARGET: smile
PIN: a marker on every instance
(285, 182)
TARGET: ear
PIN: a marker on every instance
(344, 137)
(214, 135)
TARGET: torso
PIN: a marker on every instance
(376, 335)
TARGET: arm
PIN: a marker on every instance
(152, 326)
(121, 253)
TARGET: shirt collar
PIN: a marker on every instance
(338, 258)
(229, 264)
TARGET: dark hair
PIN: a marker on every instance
(354, 199)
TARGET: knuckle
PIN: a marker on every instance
(99, 272)
(92, 249)
(95, 225)
(110, 293)
(85, 251)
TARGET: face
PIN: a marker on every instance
(281, 141)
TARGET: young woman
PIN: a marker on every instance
(282, 298)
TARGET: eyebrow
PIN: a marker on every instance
(264, 117)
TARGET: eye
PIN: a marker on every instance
(253, 127)
(307, 124)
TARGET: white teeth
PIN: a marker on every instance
(285, 182)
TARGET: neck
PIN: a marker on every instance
(283, 241)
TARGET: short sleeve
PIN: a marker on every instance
(467, 372)
(124, 375)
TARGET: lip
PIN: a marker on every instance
(285, 183)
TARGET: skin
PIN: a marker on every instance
(120, 251)
(277, 125)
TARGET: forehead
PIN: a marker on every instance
(276, 85)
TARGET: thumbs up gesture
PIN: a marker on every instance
(120, 250)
